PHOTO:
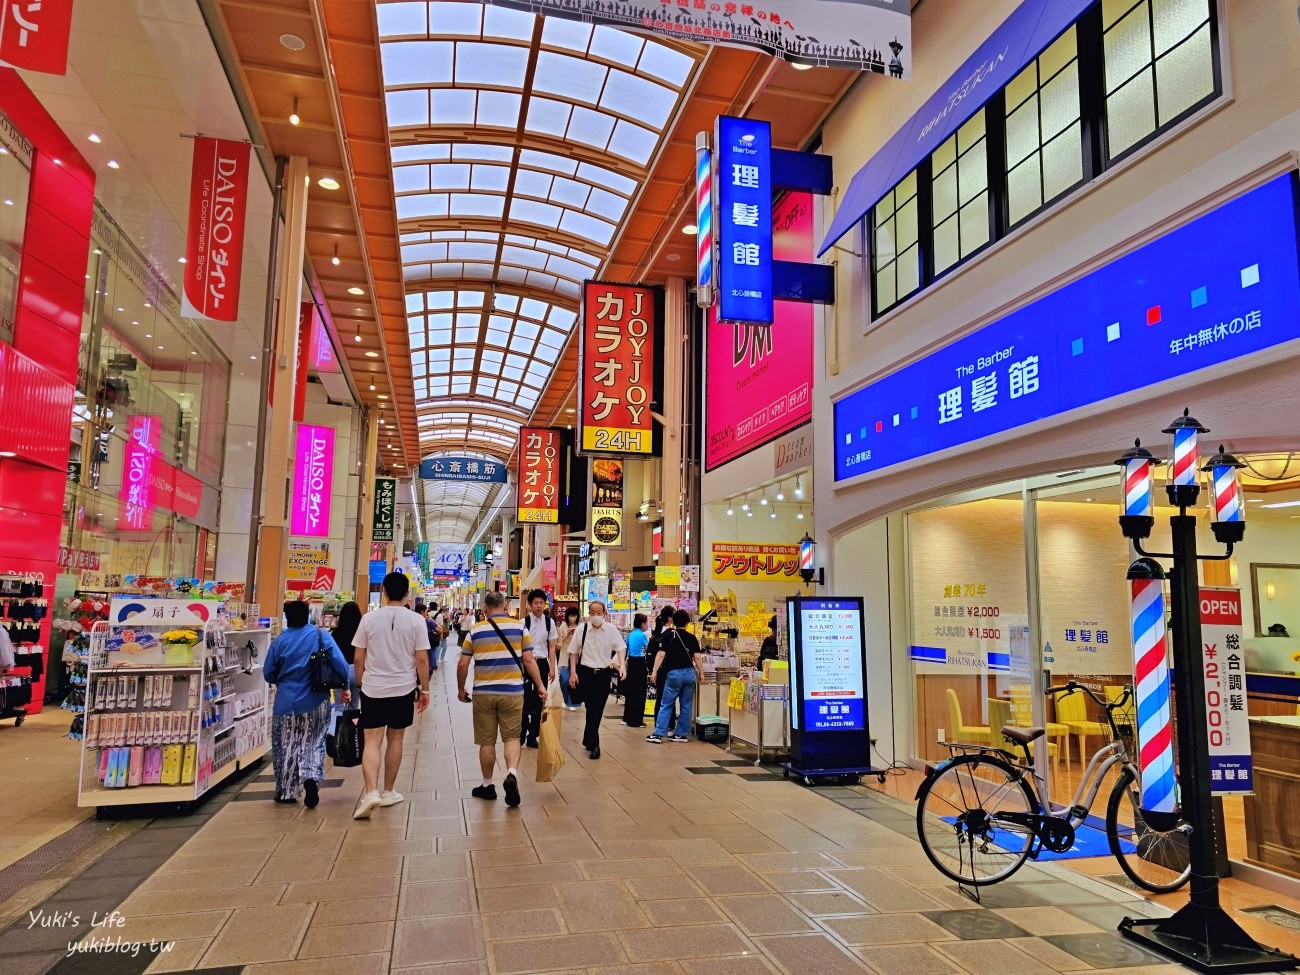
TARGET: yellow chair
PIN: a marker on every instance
(972, 734)
(1072, 710)
(1054, 731)
(1002, 713)
(1128, 713)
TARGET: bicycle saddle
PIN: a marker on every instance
(1021, 736)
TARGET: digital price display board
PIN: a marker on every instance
(828, 683)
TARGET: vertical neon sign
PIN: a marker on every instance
(313, 480)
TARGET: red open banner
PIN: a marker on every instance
(34, 34)
(539, 475)
(214, 244)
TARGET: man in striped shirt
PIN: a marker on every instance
(501, 651)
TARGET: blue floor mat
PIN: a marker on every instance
(1089, 841)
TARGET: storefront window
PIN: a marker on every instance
(960, 194)
(15, 183)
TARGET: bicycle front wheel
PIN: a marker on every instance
(959, 819)
(1158, 860)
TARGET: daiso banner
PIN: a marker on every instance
(313, 480)
(214, 243)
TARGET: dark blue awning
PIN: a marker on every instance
(1022, 37)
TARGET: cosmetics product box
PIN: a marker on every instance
(171, 767)
(187, 768)
(135, 769)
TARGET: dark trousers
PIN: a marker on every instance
(634, 689)
(593, 686)
(533, 704)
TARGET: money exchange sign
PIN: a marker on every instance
(620, 332)
(539, 475)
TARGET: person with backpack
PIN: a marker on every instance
(679, 659)
(300, 718)
(545, 637)
(435, 638)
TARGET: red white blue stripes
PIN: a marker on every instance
(1227, 498)
(1185, 456)
(806, 555)
(704, 218)
(1151, 672)
(1138, 498)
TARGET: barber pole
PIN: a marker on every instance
(1151, 673)
(1138, 498)
(1227, 496)
(806, 552)
(703, 221)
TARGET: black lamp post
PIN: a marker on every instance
(1200, 935)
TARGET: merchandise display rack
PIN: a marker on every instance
(169, 733)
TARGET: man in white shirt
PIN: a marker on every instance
(546, 647)
(596, 651)
(392, 665)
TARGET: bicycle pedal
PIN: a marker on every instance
(1079, 812)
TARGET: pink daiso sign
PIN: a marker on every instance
(313, 479)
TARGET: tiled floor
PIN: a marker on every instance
(632, 864)
(41, 757)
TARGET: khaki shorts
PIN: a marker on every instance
(493, 712)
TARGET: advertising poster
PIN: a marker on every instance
(451, 559)
(759, 381)
(831, 690)
(313, 479)
(214, 243)
(607, 503)
(385, 510)
(864, 35)
(1231, 769)
(755, 561)
(619, 357)
(305, 559)
(690, 578)
(539, 475)
(668, 576)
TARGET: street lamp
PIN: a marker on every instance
(1229, 523)
(1139, 498)
(1182, 487)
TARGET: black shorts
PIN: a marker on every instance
(387, 712)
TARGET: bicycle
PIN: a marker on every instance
(979, 817)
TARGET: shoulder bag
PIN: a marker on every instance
(518, 662)
(320, 669)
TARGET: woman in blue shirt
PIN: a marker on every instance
(634, 688)
(301, 716)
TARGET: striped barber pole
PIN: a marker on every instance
(704, 217)
(806, 551)
(1137, 488)
(1155, 725)
(1227, 499)
(1185, 456)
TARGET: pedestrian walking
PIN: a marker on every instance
(435, 638)
(596, 651)
(566, 635)
(392, 663)
(300, 718)
(679, 658)
(545, 636)
(663, 624)
(345, 628)
(501, 650)
(634, 688)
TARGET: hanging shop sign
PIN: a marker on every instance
(143, 438)
(422, 558)
(834, 33)
(451, 559)
(214, 244)
(1231, 769)
(463, 469)
(313, 478)
(306, 559)
(755, 561)
(793, 452)
(378, 568)
(760, 376)
(480, 553)
(308, 321)
(743, 159)
(140, 610)
(607, 503)
(320, 350)
(619, 379)
(34, 35)
(539, 475)
(385, 512)
(1189, 301)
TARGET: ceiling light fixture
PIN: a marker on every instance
(800, 514)
(673, 258)
(357, 335)
(181, 260)
(780, 493)
(730, 510)
(112, 164)
(354, 290)
(372, 354)
(690, 230)
(745, 506)
(798, 486)
(383, 396)
(292, 41)
(7, 453)
(763, 499)
(335, 259)
(372, 387)
(799, 66)
(772, 514)
(94, 138)
(327, 183)
(294, 118)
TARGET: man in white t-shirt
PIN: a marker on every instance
(392, 665)
(546, 648)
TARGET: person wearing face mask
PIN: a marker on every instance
(566, 631)
(595, 649)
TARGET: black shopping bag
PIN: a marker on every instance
(346, 742)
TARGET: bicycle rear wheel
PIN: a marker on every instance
(958, 819)
(1158, 860)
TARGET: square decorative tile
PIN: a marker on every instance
(976, 925)
(1103, 950)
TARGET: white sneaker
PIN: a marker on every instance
(391, 798)
(368, 804)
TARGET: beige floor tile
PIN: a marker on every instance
(527, 873)
(780, 862)
(992, 958)
(435, 866)
(348, 867)
(537, 923)
(234, 876)
(790, 881)
(172, 927)
(750, 964)
(651, 968)
(1046, 920)
(340, 965)
(803, 954)
(180, 956)
(908, 960)
(484, 841)
(495, 899)
(212, 899)
(631, 869)
(317, 843)
(630, 849)
(330, 940)
(1049, 954)
(697, 852)
(562, 953)
(681, 910)
(334, 890)
(728, 879)
(503, 858)
(357, 911)
(260, 934)
(696, 941)
(295, 869)
(820, 903)
(426, 940)
(758, 914)
(882, 891)
(443, 898)
(884, 929)
(559, 849)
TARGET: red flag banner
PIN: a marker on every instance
(214, 245)
(34, 34)
(539, 475)
(620, 339)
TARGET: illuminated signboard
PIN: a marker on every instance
(1218, 288)
(618, 381)
(313, 478)
(743, 154)
(828, 655)
(463, 469)
(539, 475)
(385, 511)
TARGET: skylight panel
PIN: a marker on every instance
(632, 142)
(547, 116)
(512, 372)
(483, 271)
(574, 79)
(530, 211)
(511, 275)
(530, 182)
(523, 256)
(472, 251)
(571, 34)
(607, 178)
(566, 269)
(506, 303)
(605, 204)
(526, 330)
(456, 18)
(449, 176)
(460, 385)
(499, 109)
(504, 22)
(490, 356)
(590, 128)
(567, 288)
(562, 318)
(415, 302)
(407, 108)
(508, 389)
(534, 309)
(587, 227)
(633, 97)
(615, 45)
(476, 205)
(544, 282)
(411, 179)
(416, 62)
(396, 19)
(666, 64)
(570, 193)
(495, 65)
(485, 386)
(516, 361)
(548, 161)
(482, 151)
(551, 339)
(422, 205)
(453, 106)
(424, 252)
(471, 299)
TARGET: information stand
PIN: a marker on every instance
(829, 736)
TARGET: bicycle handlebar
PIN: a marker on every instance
(1069, 687)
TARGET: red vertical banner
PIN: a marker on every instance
(214, 244)
(539, 475)
(34, 34)
(140, 458)
(617, 380)
(308, 316)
